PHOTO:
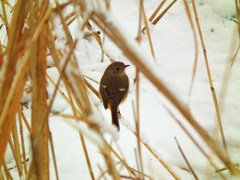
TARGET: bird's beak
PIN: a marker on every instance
(126, 66)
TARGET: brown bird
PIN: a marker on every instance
(113, 88)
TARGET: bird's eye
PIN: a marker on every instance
(117, 68)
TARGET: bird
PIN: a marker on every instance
(113, 89)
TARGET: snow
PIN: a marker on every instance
(223, 8)
(174, 48)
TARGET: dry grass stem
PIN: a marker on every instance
(150, 149)
(139, 38)
(194, 141)
(58, 89)
(195, 47)
(123, 162)
(75, 112)
(10, 142)
(91, 88)
(137, 162)
(154, 22)
(102, 174)
(109, 162)
(25, 121)
(17, 149)
(210, 79)
(48, 109)
(87, 156)
(53, 155)
(185, 159)
(22, 142)
(11, 87)
(4, 17)
(7, 173)
(232, 59)
(85, 22)
(157, 10)
(65, 27)
(1, 174)
(164, 12)
(237, 5)
(39, 14)
(137, 82)
(147, 28)
(137, 121)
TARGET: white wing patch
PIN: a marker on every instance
(122, 89)
(104, 86)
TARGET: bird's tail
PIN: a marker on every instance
(115, 117)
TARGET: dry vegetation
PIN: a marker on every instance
(30, 40)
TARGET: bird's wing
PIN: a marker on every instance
(116, 96)
(104, 96)
(109, 96)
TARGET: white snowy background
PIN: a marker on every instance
(174, 49)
